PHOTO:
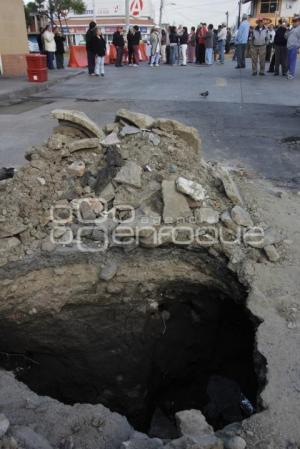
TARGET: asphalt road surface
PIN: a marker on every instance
(243, 121)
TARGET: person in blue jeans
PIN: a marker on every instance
(222, 34)
(241, 41)
(173, 36)
(293, 45)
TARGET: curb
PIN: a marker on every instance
(36, 88)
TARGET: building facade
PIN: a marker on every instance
(109, 15)
(273, 10)
(13, 38)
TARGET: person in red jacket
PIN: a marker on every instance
(202, 34)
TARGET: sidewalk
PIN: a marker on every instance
(13, 88)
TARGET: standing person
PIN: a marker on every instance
(221, 42)
(202, 34)
(99, 49)
(49, 45)
(164, 46)
(209, 45)
(281, 52)
(228, 40)
(215, 48)
(259, 47)
(88, 45)
(40, 41)
(271, 34)
(60, 48)
(173, 45)
(155, 47)
(293, 45)
(241, 41)
(119, 43)
(197, 48)
(137, 37)
(192, 46)
(184, 45)
(130, 35)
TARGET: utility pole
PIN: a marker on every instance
(51, 12)
(227, 18)
(127, 14)
(161, 10)
(240, 9)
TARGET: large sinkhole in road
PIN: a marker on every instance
(192, 347)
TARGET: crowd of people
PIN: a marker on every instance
(51, 42)
(179, 46)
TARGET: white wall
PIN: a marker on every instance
(290, 7)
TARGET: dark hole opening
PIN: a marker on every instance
(191, 347)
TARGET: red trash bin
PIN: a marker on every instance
(37, 70)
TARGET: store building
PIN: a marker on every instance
(109, 15)
(272, 10)
(13, 38)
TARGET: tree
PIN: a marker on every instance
(30, 8)
(58, 9)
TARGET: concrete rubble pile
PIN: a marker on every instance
(151, 167)
(137, 184)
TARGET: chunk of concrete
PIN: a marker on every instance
(130, 174)
(108, 193)
(207, 215)
(241, 217)
(77, 168)
(234, 442)
(10, 229)
(192, 424)
(141, 441)
(272, 253)
(78, 120)
(190, 188)
(129, 131)
(228, 221)
(175, 204)
(109, 271)
(83, 144)
(30, 439)
(135, 118)
(186, 133)
(111, 139)
(230, 187)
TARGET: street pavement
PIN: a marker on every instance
(241, 122)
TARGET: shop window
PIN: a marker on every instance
(269, 6)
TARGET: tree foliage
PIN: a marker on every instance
(55, 9)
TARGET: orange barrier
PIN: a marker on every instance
(112, 54)
(143, 52)
(78, 56)
(107, 56)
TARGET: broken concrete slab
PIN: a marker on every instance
(8, 243)
(192, 423)
(9, 229)
(130, 174)
(187, 133)
(175, 204)
(190, 188)
(110, 140)
(83, 144)
(4, 425)
(109, 271)
(207, 215)
(79, 120)
(272, 253)
(241, 217)
(142, 121)
(129, 131)
(230, 187)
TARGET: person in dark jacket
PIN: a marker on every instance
(119, 43)
(40, 41)
(88, 44)
(173, 37)
(281, 53)
(130, 36)
(60, 48)
(137, 37)
(184, 38)
(209, 45)
(99, 49)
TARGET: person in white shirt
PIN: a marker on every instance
(49, 46)
(271, 33)
(222, 34)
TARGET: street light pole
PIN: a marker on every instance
(227, 18)
(94, 11)
(240, 8)
(127, 14)
(161, 10)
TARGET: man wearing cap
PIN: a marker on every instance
(241, 42)
(293, 45)
(260, 40)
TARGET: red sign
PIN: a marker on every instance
(136, 7)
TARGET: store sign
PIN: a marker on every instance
(138, 8)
